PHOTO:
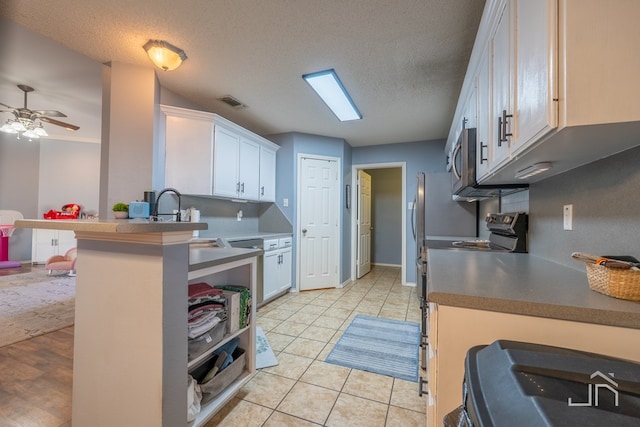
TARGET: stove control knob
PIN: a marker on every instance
(490, 219)
(507, 219)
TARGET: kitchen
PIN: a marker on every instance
(604, 213)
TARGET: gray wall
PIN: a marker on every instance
(291, 144)
(606, 210)
(425, 156)
(386, 215)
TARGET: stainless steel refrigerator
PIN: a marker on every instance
(437, 215)
(420, 237)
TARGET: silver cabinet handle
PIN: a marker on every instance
(502, 127)
(262, 190)
(242, 187)
(237, 187)
(483, 147)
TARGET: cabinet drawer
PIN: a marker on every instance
(270, 244)
(285, 242)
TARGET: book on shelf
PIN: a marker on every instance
(245, 302)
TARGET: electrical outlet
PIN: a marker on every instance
(567, 217)
(411, 206)
(239, 216)
(285, 203)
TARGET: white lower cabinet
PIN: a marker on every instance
(276, 268)
(46, 243)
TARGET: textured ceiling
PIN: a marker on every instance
(403, 61)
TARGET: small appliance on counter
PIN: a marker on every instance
(139, 209)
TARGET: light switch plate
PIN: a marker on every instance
(285, 203)
(567, 217)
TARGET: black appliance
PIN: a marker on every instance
(508, 234)
(511, 383)
(463, 167)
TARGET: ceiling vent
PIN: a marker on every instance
(233, 102)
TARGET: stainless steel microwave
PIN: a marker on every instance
(463, 171)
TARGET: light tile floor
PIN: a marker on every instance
(303, 390)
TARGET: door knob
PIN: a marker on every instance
(304, 230)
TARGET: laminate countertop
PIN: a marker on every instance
(111, 226)
(522, 284)
(200, 258)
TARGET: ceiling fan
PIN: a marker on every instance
(29, 122)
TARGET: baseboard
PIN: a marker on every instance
(378, 264)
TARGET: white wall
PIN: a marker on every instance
(69, 173)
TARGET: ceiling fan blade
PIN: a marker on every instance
(59, 123)
(51, 113)
(8, 106)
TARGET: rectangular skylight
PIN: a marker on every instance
(329, 87)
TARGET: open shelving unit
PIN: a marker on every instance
(239, 272)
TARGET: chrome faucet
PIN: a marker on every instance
(155, 208)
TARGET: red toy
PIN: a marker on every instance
(69, 211)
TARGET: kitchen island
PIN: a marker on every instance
(478, 297)
(130, 336)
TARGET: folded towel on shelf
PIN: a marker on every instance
(204, 324)
(202, 289)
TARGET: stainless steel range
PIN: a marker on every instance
(508, 234)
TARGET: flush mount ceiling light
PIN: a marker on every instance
(164, 55)
(329, 87)
(532, 170)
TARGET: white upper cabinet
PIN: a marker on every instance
(563, 84)
(267, 175)
(536, 53)
(205, 154)
(484, 148)
(502, 89)
(188, 150)
(225, 163)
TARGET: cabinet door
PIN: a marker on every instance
(536, 112)
(502, 84)
(189, 154)
(267, 175)
(44, 244)
(249, 169)
(270, 284)
(285, 270)
(471, 108)
(225, 163)
(483, 149)
(66, 241)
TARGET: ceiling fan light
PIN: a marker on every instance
(30, 133)
(40, 131)
(18, 126)
(8, 128)
(164, 55)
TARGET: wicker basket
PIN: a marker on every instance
(615, 282)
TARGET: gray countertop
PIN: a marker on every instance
(522, 284)
(211, 256)
(111, 226)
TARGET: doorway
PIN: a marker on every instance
(399, 216)
(318, 236)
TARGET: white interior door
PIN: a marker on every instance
(318, 198)
(364, 224)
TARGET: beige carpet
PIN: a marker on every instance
(33, 304)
